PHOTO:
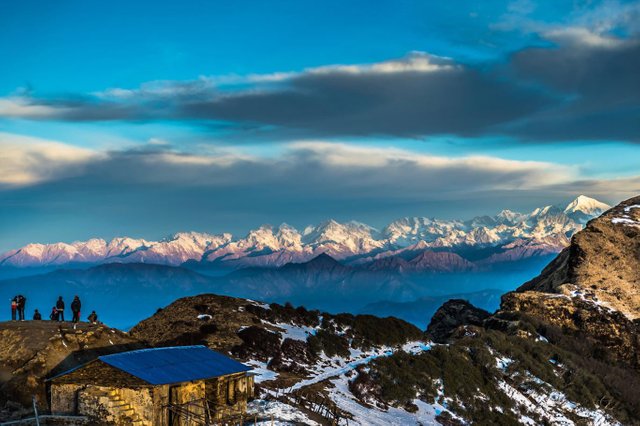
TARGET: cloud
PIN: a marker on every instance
(414, 62)
(27, 160)
(163, 89)
(23, 107)
(147, 190)
(412, 97)
(416, 95)
(583, 85)
(597, 73)
(579, 37)
(330, 170)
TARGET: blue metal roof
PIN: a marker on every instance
(162, 366)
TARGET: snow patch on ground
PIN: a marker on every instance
(346, 401)
(416, 347)
(331, 367)
(259, 304)
(552, 406)
(502, 363)
(592, 299)
(336, 366)
(295, 332)
(263, 374)
(282, 414)
(626, 219)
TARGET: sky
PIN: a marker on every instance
(151, 117)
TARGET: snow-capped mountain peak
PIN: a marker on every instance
(583, 209)
(586, 205)
(510, 216)
(269, 246)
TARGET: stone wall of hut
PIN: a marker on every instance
(101, 402)
(90, 391)
(228, 395)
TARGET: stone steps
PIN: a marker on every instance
(122, 408)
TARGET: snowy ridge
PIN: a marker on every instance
(587, 205)
(532, 397)
(544, 230)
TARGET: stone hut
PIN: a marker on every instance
(176, 386)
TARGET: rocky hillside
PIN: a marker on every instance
(602, 262)
(580, 315)
(296, 352)
(32, 351)
(470, 367)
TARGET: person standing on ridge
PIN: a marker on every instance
(37, 316)
(75, 309)
(14, 308)
(22, 302)
(60, 309)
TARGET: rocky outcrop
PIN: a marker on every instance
(604, 333)
(206, 319)
(591, 291)
(454, 314)
(602, 261)
(33, 351)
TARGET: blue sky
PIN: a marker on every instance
(146, 118)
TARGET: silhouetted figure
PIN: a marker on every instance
(14, 308)
(22, 302)
(60, 308)
(75, 309)
(37, 316)
(93, 317)
(54, 314)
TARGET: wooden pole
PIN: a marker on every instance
(35, 411)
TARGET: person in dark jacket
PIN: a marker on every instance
(22, 303)
(75, 309)
(54, 314)
(37, 316)
(93, 317)
(14, 308)
(60, 308)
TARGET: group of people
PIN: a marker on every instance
(19, 302)
(57, 312)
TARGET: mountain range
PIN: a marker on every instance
(562, 349)
(484, 240)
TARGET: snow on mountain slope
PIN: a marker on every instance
(341, 240)
(582, 209)
(544, 230)
(587, 205)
